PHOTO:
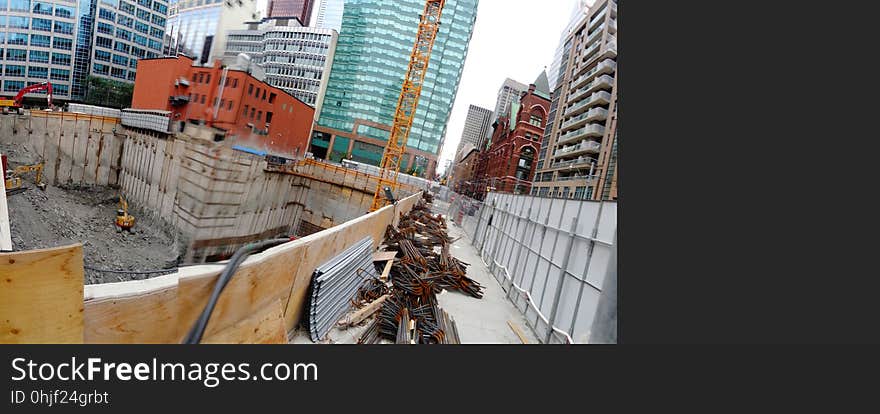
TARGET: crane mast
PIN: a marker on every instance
(409, 99)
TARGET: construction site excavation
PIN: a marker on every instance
(124, 231)
(220, 207)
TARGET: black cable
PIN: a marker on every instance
(131, 272)
(198, 329)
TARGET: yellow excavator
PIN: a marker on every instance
(124, 221)
(13, 178)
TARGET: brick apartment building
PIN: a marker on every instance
(249, 111)
(508, 165)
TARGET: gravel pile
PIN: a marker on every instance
(85, 214)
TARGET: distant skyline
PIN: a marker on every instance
(512, 39)
(502, 46)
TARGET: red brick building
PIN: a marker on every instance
(508, 164)
(301, 9)
(251, 112)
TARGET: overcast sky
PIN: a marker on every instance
(512, 39)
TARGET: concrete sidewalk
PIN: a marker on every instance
(482, 321)
(479, 321)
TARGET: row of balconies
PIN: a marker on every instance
(598, 98)
(591, 130)
(605, 66)
(584, 147)
(595, 114)
(582, 160)
(596, 33)
(604, 81)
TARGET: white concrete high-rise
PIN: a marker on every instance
(294, 58)
(509, 92)
(477, 126)
(330, 14)
(577, 14)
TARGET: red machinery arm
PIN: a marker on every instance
(33, 88)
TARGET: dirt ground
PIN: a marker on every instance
(85, 214)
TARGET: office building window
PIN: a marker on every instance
(61, 11)
(142, 27)
(14, 70)
(59, 74)
(61, 59)
(17, 55)
(41, 24)
(41, 40)
(42, 8)
(120, 60)
(39, 56)
(20, 5)
(12, 86)
(106, 14)
(105, 28)
(101, 69)
(17, 39)
(102, 55)
(41, 72)
(102, 42)
(123, 34)
(118, 73)
(64, 28)
(127, 7)
(18, 22)
(125, 21)
(61, 43)
(61, 90)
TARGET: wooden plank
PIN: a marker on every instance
(359, 315)
(383, 256)
(518, 332)
(41, 296)
(266, 326)
(386, 271)
(133, 312)
(261, 280)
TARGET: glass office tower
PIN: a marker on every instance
(371, 60)
(36, 45)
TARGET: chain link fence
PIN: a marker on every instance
(551, 257)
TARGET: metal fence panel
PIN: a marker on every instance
(550, 256)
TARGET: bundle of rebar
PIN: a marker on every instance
(424, 268)
(371, 290)
(333, 286)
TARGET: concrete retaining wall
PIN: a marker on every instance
(76, 148)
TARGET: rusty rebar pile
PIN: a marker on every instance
(424, 268)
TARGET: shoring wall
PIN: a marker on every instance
(262, 303)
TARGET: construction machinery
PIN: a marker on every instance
(408, 101)
(15, 103)
(124, 221)
(13, 181)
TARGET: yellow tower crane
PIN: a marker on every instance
(409, 99)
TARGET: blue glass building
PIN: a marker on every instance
(66, 41)
(371, 60)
